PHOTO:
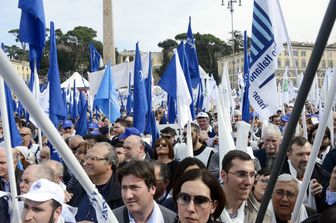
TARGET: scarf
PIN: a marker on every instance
(225, 217)
(302, 216)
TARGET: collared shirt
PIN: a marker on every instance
(154, 217)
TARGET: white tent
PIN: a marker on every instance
(80, 81)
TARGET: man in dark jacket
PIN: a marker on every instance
(100, 165)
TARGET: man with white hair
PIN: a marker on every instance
(43, 202)
(271, 136)
(284, 196)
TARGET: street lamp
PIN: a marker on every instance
(230, 6)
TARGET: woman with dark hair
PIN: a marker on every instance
(164, 153)
(185, 165)
(326, 145)
(201, 187)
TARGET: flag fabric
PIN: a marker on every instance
(74, 111)
(57, 111)
(191, 53)
(174, 83)
(200, 98)
(268, 37)
(82, 102)
(246, 102)
(82, 124)
(185, 68)
(140, 100)
(171, 104)
(148, 85)
(107, 98)
(32, 29)
(95, 59)
(129, 103)
(285, 87)
(15, 136)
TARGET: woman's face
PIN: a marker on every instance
(193, 211)
(162, 148)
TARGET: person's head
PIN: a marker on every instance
(326, 141)
(237, 116)
(201, 187)
(43, 202)
(119, 126)
(260, 184)
(238, 174)
(298, 153)
(3, 162)
(159, 113)
(74, 142)
(81, 151)
(26, 135)
(101, 160)
(203, 120)
(33, 173)
(163, 148)
(284, 196)
(44, 154)
(68, 127)
(134, 146)
(271, 136)
(186, 164)
(162, 175)
(169, 133)
(195, 133)
(57, 168)
(138, 185)
(276, 120)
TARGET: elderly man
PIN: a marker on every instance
(203, 120)
(134, 145)
(74, 141)
(284, 197)
(27, 140)
(43, 202)
(298, 155)
(138, 188)
(4, 175)
(271, 136)
(100, 165)
(238, 175)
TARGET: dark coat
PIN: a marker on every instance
(262, 157)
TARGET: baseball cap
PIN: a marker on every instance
(67, 123)
(93, 125)
(202, 115)
(129, 132)
(44, 190)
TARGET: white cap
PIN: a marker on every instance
(23, 150)
(202, 115)
(44, 190)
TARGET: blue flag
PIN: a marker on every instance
(200, 98)
(32, 29)
(185, 68)
(140, 101)
(192, 58)
(82, 102)
(129, 103)
(74, 111)
(57, 111)
(15, 136)
(94, 58)
(106, 97)
(148, 85)
(81, 126)
(171, 104)
(246, 101)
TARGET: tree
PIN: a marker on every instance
(237, 41)
(167, 46)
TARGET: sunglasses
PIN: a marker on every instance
(200, 202)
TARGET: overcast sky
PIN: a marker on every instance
(152, 21)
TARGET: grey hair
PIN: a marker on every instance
(271, 129)
(111, 154)
(287, 178)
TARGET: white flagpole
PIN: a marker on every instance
(315, 150)
(21, 90)
(9, 154)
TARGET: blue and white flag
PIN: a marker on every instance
(268, 37)
(95, 59)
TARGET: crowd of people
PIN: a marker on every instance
(145, 181)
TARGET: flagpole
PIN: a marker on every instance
(37, 92)
(25, 96)
(320, 44)
(315, 150)
(9, 152)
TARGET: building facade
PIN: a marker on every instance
(22, 68)
(301, 52)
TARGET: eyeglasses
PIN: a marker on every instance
(200, 202)
(262, 180)
(24, 134)
(161, 144)
(244, 174)
(282, 193)
(93, 158)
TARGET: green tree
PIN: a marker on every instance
(167, 46)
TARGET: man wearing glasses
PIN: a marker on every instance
(100, 165)
(238, 175)
(27, 140)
